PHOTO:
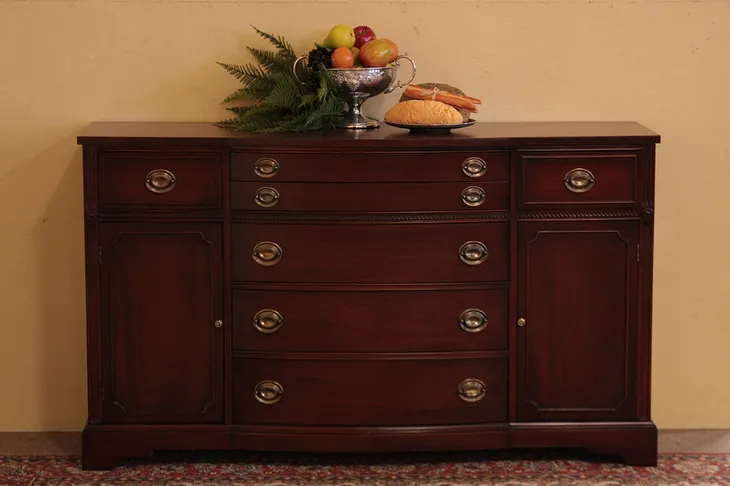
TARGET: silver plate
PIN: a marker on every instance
(432, 128)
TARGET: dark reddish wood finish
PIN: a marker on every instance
(122, 178)
(577, 293)
(356, 320)
(374, 166)
(543, 174)
(161, 288)
(357, 392)
(371, 287)
(374, 253)
(393, 197)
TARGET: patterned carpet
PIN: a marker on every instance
(509, 469)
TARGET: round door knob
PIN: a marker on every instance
(218, 323)
(473, 320)
(472, 390)
(579, 180)
(474, 167)
(473, 252)
(266, 167)
(267, 253)
(267, 197)
(268, 392)
(473, 196)
(268, 321)
(160, 181)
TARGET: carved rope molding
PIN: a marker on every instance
(577, 214)
(152, 214)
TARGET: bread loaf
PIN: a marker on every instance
(423, 112)
(465, 114)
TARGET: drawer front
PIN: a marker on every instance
(371, 253)
(158, 179)
(370, 321)
(578, 178)
(369, 392)
(454, 166)
(448, 196)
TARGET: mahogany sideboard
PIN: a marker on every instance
(369, 291)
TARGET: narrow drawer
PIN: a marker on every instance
(159, 179)
(578, 178)
(371, 253)
(370, 321)
(446, 196)
(369, 392)
(451, 166)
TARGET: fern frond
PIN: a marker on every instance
(279, 42)
(245, 73)
(273, 62)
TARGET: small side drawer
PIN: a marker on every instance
(340, 392)
(578, 178)
(159, 179)
(370, 321)
(333, 196)
(413, 166)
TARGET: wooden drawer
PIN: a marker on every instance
(578, 178)
(446, 196)
(371, 253)
(338, 392)
(451, 166)
(370, 320)
(159, 179)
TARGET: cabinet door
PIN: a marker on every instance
(577, 344)
(161, 287)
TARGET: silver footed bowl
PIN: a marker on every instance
(359, 84)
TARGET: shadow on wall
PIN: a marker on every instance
(42, 195)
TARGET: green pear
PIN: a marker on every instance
(341, 35)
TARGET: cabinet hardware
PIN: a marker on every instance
(473, 252)
(266, 168)
(474, 167)
(473, 320)
(267, 197)
(472, 390)
(473, 196)
(268, 392)
(268, 321)
(218, 323)
(521, 322)
(160, 181)
(267, 253)
(579, 180)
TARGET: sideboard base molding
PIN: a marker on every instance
(105, 445)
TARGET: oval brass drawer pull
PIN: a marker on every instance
(474, 167)
(579, 180)
(473, 252)
(268, 392)
(268, 321)
(160, 181)
(266, 168)
(267, 197)
(267, 253)
(472, 390)
(473, 320)
(473, 196)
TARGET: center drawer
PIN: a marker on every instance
(371, 253)
(370, 321)
(424, 196)
(369, 392)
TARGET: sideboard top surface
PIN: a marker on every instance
(481, 133)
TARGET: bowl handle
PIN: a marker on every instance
(294, 67)
(392, 87)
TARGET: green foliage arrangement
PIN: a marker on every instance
(278, 101)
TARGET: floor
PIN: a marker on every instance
(69, 443)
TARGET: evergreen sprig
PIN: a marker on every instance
(278, 100)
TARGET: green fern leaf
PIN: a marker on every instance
(282, 45)
(245, 73)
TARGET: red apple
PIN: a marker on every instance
(363, 34)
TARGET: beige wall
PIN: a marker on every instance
(66, 63)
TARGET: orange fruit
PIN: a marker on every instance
(342, 57)
(393, 49)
